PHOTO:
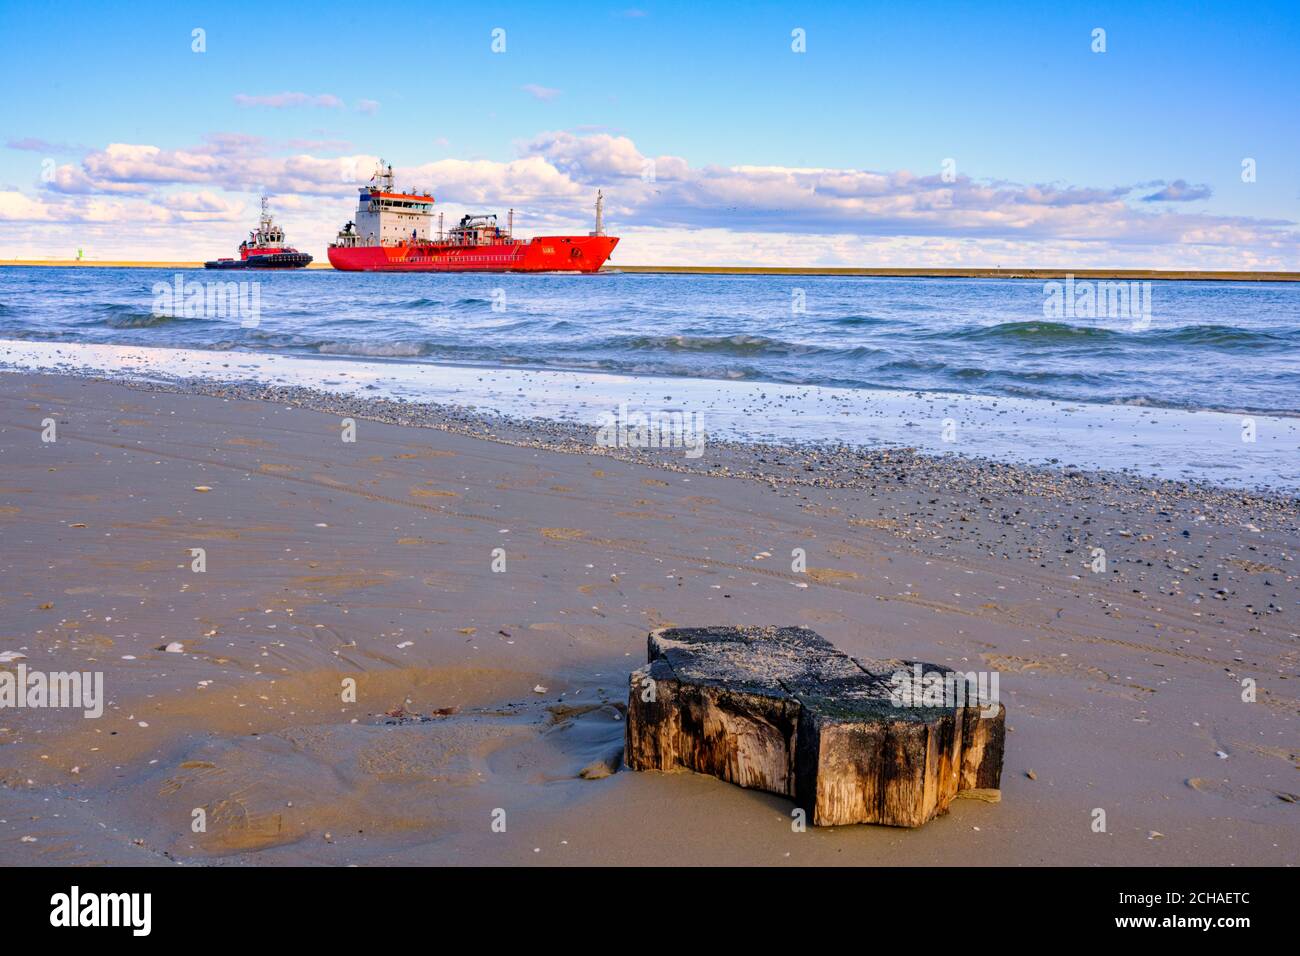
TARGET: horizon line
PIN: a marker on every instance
(919, 272)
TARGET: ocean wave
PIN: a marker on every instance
(425, 302)
(143, 320)
(1008, 378)
(667, 369)
(1226, 336)
(858, 321)
(1047, 332)
(738, 344)
(912, 365)
(1035, 331)
(120, 315)
(373, 349)
(986, 337)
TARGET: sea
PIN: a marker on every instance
(1183, 379)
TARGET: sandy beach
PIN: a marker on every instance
(484, 694)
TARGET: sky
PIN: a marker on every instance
(860, 134)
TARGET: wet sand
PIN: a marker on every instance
(482, 695)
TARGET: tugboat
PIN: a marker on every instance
(391, 234)
(263, 249)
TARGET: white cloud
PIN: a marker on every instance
(281, 101)
(122, 163)
(203, 206)
(1179, 191)
(239, 164)
(544, 93)
(668, 211)
(15, 207)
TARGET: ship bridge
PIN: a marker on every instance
(386, 216)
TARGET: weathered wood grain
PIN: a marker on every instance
(781, 709)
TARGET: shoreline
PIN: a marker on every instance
(374, 560)
(1137, 439)
(808, 464)
(135, 264)
(916, 272)
(921, 272)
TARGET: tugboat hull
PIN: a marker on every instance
(275, 260)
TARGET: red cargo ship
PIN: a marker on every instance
(263, 249)
(391, 234)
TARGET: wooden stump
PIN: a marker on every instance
(781, 709)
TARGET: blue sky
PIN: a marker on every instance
(1012, 93)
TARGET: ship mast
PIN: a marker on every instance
(384, 176)
(261, 235)
(600, 218)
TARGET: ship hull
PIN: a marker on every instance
(542, 254)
